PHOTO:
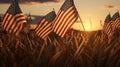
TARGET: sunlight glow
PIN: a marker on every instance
(87, 28)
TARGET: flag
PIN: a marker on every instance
(107, 25)
(44, 27)
(116, 21)
(66, 17)
(13, 19)
(115, 16)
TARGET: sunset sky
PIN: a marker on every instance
(89, 10)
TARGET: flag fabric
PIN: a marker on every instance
(115, 16)
(13, 19)
(66, 17)
(116, 21)
(44, 28)
(107, 25)
(116, 24)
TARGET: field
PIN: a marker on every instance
(76, 49)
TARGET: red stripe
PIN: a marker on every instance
(45, 30)
(65, 21)
(63, 15)
(17, 29)
(45, 23)
(4, 19)
(10, 24)
(39, 25)
(56, 22)
(68, 24)
(56, 19)
(7, 19)
(46, 33)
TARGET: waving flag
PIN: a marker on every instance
(107, 25)
(13, 19)
(65, 18)
(115, 16)
(116, 21)
(44, 27)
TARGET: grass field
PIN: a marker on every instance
(76, 49)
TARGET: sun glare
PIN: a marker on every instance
(87, 28)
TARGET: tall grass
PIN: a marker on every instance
(76, 49)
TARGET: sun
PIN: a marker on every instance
(87, 28)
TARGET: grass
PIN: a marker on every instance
(76, 49)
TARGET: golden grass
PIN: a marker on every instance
(76, 49)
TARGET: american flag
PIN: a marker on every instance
(116, 21)
(115, 16)
(44, 28)
(116, 24)
(107, 25)
(65, 18)
(13, 19)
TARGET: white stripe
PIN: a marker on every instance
(66, 19)
(67, 23)
(61, 19)
(10, 23)
(4, 18)
(42, 28)
(6, 22)
(48, 27)
(70, 24)
(45, 23)
(57, 21)
(39, 25)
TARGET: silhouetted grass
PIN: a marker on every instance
(76, 49)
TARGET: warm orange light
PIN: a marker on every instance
(87, 28)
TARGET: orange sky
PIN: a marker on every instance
(90, 11)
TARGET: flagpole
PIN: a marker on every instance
(80, 18)
(90, 22)
(81, 21)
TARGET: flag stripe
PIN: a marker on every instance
(13, 19)
(46, 32)
(68, 23)
(57, 20)
(65, 21)
(18, 29)
(16, 24)
(58, 16)
(45, 23)
(4, 19)
(7, 21)
(62, 18)
(116, 24)
(42, 28)
(43, 32)
(40, 24)
(10, 24)
(107, 28)
(67, 15)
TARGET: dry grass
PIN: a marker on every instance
(76, 49)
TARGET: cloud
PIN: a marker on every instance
(29, 1)
(110, 7)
